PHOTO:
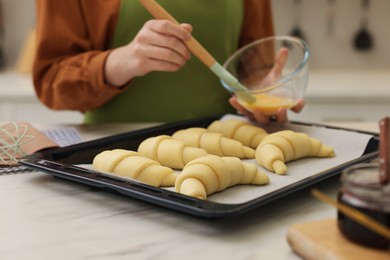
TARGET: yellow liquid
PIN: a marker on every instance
(267, 103)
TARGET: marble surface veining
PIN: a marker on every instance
(43, 217)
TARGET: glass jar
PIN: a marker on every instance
(361, 189)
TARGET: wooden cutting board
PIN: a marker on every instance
(323, 240)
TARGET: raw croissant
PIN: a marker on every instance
(169, 152)
(214, 143)
(131, 164)
(211, 173)
(280, 147)
(239, 130)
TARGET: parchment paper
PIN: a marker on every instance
(348, 145)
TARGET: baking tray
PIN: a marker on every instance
(65, 163)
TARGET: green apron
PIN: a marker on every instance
(193, 91)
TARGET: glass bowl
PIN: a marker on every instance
(256, 67)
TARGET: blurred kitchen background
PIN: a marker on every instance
(345, 83)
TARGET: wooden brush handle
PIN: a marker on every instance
(195, 47)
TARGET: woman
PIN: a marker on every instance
(112, 61)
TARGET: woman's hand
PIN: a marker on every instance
(158, 46)
(259, 116)
(272, 77)
(276, 71)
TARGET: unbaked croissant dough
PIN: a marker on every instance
(280, 147)
(131, 164)
(211, 173)
(214, 143)
(169, 152)
(239, 130)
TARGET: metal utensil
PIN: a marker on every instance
(296, 31)
(330, 13)
(363, 40)
(199, 51)
(384, 150)
(2, 58)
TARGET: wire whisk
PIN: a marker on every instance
(12, 137)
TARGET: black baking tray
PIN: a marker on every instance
(62, 162)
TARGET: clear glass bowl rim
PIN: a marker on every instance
(285, 79)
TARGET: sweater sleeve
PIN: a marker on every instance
(258, 22)
(73, 40)
(72, 46)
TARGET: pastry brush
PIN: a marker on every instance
(199, 51)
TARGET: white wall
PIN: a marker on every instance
(333, 51)
(19, 18)
(339, 74)
(328, 51)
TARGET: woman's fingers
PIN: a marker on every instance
(165, 55)
(168, 28)
(280, 62)
(152, 58)
(280, 116)
(257, 115)
(234, 103)
(261, 117)
(187, 27)
(158, 46)
(298, 106)
(168, 37)
(171, 36)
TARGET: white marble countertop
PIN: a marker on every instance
(42, 217)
